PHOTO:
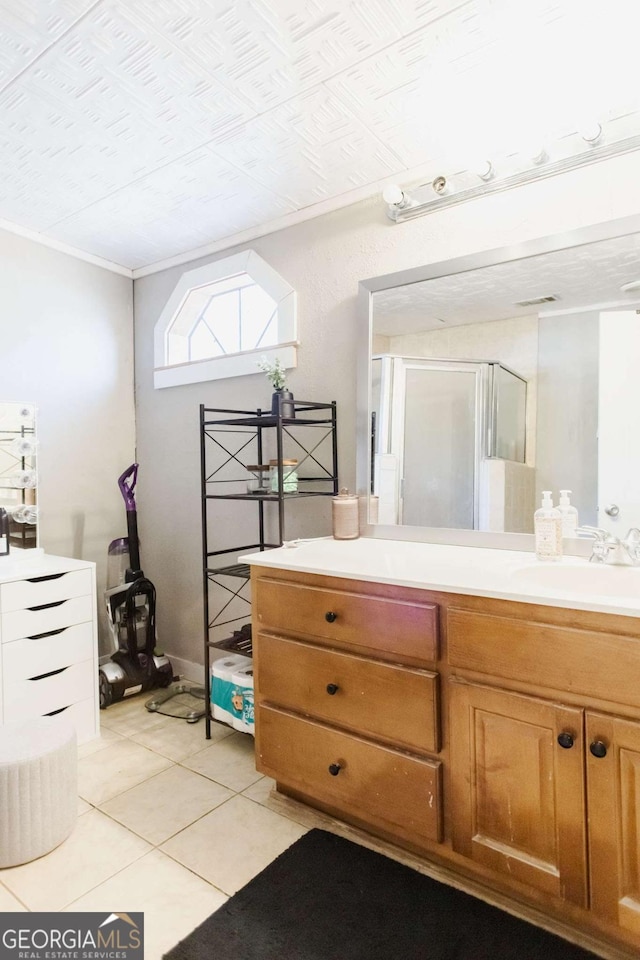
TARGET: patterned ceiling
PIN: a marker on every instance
(137, 130)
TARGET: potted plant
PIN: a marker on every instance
(282, 399)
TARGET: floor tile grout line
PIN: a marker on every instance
(152, 846)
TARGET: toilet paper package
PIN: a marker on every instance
(242, 681)
(222, 686)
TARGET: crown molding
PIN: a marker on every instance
(9, 227)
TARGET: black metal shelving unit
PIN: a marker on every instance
(229, 441)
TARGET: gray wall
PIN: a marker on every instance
(67, 345)
(323, 259)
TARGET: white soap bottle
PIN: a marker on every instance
(569, 515)
(547, 526)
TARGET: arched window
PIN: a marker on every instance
(220, 318)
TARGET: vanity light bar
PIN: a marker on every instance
(514, 171)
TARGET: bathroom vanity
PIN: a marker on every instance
(471, 705)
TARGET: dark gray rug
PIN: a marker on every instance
(326, 898)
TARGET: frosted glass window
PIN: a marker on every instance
(221, 319)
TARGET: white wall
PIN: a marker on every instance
(66, 343)
(323, 259)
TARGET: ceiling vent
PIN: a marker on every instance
(536, 301)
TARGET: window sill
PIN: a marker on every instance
(220, 368)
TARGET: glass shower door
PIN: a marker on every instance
(441, 431)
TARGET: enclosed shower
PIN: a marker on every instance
(448, 439)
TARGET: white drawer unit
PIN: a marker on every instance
(48, 641)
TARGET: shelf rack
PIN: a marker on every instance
(229, 440)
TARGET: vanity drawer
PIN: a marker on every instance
(19, 594)
(51, 616)
(393, 703)
(390, 629)
(60, 648)
(41, 695)
(602, 665)
(389, 789)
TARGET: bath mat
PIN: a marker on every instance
(326, 898)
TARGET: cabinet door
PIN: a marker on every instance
(613, 796)
(518, 802)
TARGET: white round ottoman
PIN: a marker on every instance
(38, 787)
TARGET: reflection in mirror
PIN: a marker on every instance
(490, 385)
(18, 472)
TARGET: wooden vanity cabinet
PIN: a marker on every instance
(518, 794)
(546, 784)
(501, 740)
(347, 711)
(613, 796)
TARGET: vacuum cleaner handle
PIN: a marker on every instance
(127, 484)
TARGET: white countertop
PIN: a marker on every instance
(504, 574)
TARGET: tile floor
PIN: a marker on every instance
(170, 824)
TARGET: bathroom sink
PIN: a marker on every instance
(588, 578)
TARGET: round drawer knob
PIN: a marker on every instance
(332, 689)
(330, 617)
(334, 769)
(598, 749)
(565, 740)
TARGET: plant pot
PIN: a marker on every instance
(282, 402)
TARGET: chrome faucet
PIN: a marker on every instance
(607, 548)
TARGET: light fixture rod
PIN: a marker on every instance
(517, 179)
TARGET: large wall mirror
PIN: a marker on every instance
(488, 379)
(18, 472)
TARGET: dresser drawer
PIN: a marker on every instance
(30, 623)
(390, 629)
(83, 717)
(585, 662)
(18, 594)
(60, 648)
(397, 792)
(41, 695)
(388, 702)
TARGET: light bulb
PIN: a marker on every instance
(440, 186)
(484, 169)
(537, 154)
(394, 195)
(590, 131)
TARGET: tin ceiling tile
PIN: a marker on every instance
(28, 27)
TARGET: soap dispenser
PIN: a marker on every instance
(547, 526)
(569, 515)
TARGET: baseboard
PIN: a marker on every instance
(186, 670)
